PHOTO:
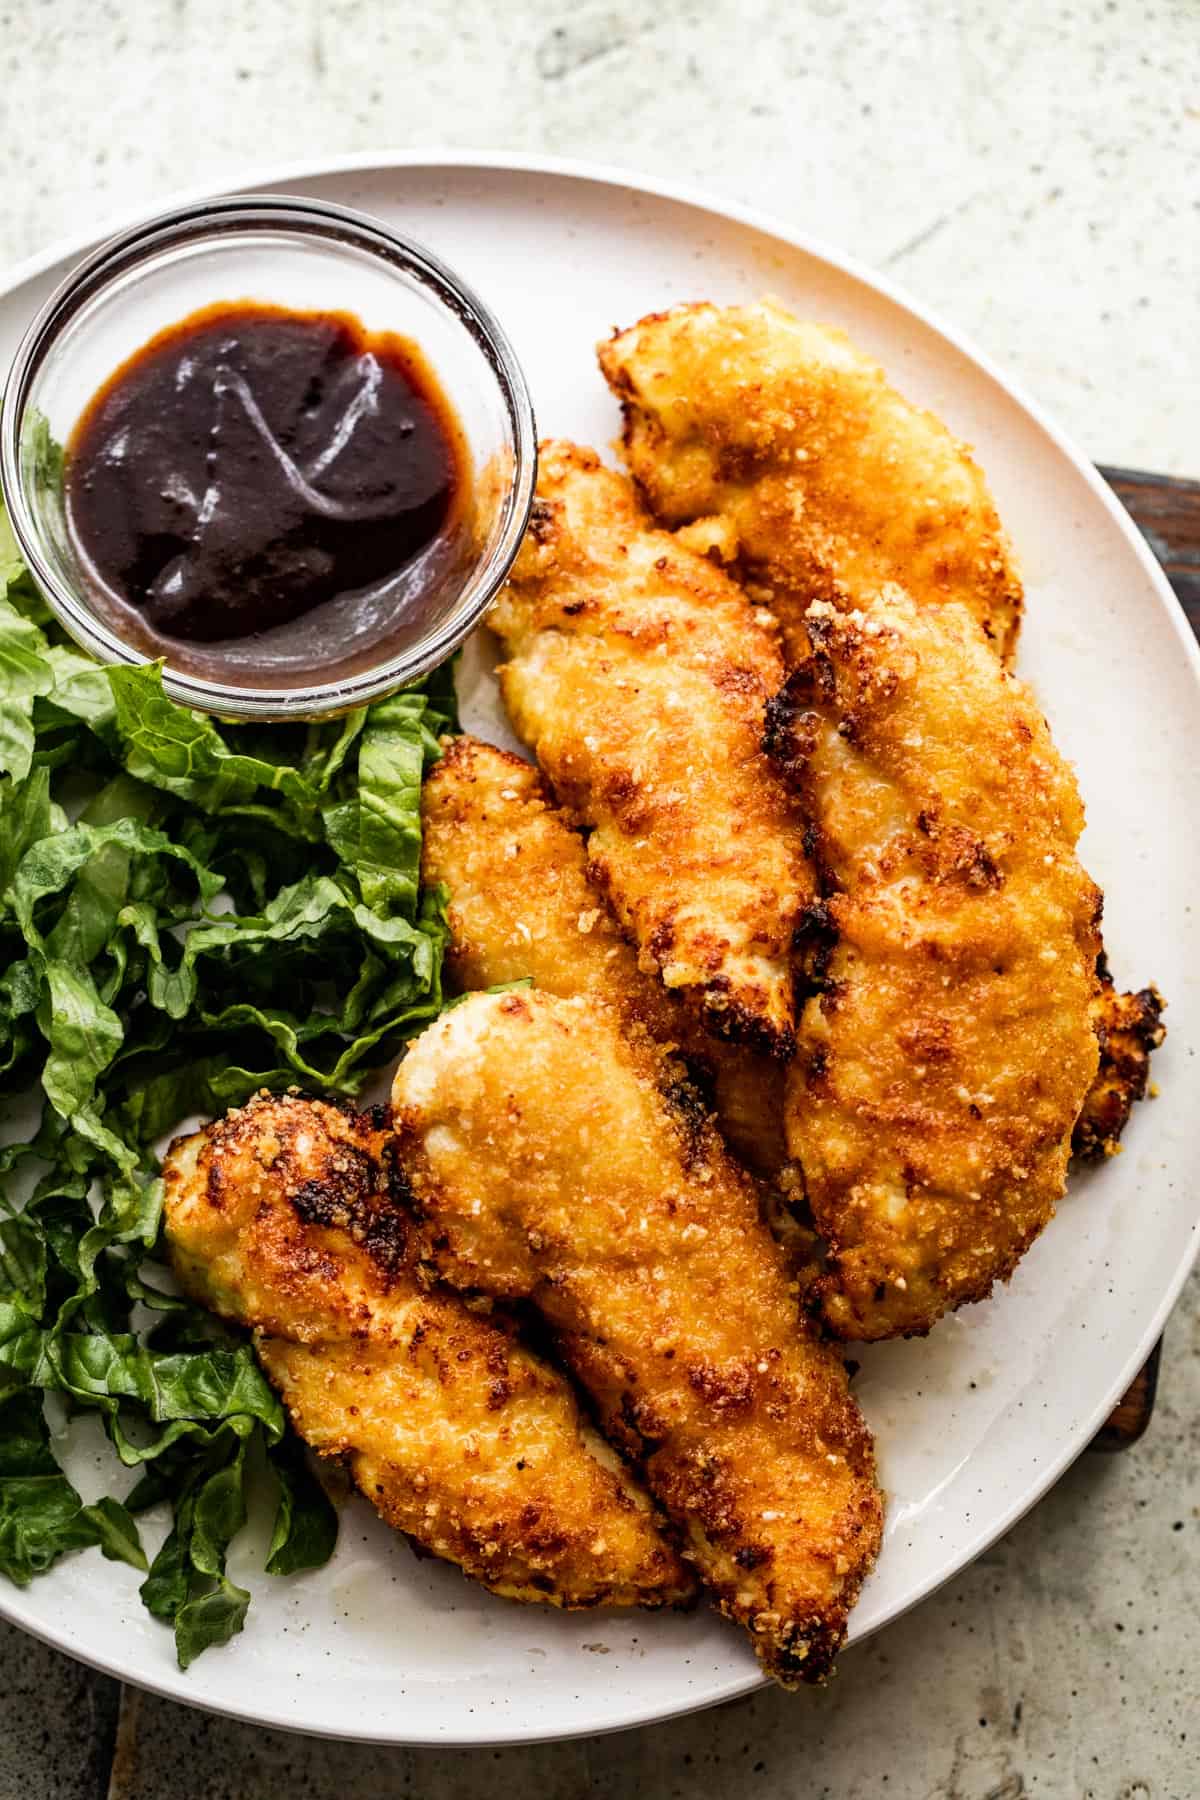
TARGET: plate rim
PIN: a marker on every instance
(265, 177)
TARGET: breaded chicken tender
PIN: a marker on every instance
(943, 1063)
(521, 906)
(779, 446)
(638, 674)
(1129, 1027)
(819, 480)
(284, 1216)
(557, 1158)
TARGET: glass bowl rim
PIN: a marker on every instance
(322, 218)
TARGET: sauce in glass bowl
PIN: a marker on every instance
(252, 464)
(299, 454)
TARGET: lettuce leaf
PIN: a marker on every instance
(41, 1515)
(24, 674)
(189, 911)
(305, 1529)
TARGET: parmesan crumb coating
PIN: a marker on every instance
(777, 446)
(638, 674)
(557, 1158)
(285, 1216)
(521, 906)
(945, 1057)
(808, 471)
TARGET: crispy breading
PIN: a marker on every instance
(821, 481)
(285, 1217)
(777, 444)
(558, 1158)
(638, 674)
(944, 1062)
(521, 905)
(1129, 1027)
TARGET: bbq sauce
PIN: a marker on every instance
(251, 465)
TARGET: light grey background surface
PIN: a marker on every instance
(1031, 169)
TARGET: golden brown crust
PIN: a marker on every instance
(556, 1157)
(1129, 1027)
(783, 451)
(784, 448)
(943, 1064)
(638, 674)
(285, 1216)
(521, 905)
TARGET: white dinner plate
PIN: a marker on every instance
(976, 1421)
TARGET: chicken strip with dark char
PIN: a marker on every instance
(521, 906)
(943, 1062)
(284, 1216)
(557, 1157)
(638, 674)
(1129, 1027)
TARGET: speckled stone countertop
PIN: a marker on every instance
(1031, 170)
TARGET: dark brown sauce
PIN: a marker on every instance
(251, 465)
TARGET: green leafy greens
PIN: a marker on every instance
(189, 912)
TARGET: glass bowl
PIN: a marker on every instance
(305, 255)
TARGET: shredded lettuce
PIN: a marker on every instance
(189, 912)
